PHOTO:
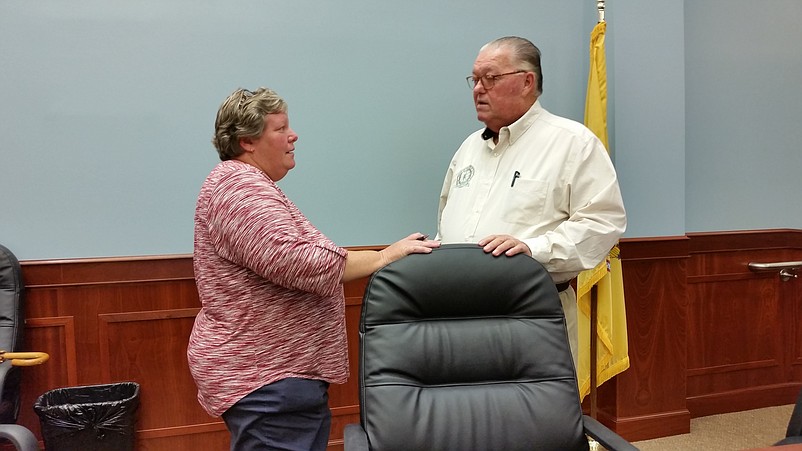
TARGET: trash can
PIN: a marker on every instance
(89, 418)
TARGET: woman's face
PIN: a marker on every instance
(273, 151)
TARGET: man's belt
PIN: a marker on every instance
(563, 286)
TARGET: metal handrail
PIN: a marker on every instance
(775, 266)
(787, 270)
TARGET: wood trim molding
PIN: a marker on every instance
(745, 240)
(106, 271)
(654, 248)
(178, 431)
(108, 320)
(66, 324)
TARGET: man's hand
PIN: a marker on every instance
(504, 244)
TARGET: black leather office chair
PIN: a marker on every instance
(460, 350)
(12, 305)
(793, 434)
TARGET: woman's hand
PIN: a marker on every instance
(417, 243)
(364, 263)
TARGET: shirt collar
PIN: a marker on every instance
(517, 128)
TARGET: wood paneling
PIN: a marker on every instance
(706, 336)
(129, 319)
(648, 399)
(742, 325)
(113, 320)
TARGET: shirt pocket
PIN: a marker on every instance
(525, 202)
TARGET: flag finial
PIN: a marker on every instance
(600, 7)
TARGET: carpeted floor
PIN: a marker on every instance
(727, 432)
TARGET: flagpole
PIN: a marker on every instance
(594, 296)
(594, 300)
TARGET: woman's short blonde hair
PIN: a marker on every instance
(242, 115)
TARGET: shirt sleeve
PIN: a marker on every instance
(596, 216)
(444, 197)
(254, 226)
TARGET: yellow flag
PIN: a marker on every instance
(612, 350)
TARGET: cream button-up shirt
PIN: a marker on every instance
(548, 182)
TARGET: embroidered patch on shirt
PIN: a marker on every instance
(465, 176)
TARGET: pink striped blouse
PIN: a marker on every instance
(270, 288)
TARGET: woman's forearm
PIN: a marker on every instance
(360, 264)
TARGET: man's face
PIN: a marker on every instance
(274, 149)
(505, 102)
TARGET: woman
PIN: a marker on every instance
(270, 336)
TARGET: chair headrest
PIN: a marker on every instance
(459, 280)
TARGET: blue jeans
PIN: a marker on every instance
(288, 415)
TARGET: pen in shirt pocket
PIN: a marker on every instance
(514, 176)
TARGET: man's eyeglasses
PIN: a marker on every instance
(488, 81)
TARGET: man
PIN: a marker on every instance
(530, 182)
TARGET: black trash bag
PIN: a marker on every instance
(89, 418)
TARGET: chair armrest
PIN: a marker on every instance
(795, 423)
(5, 367)
(22, 438)
(355, 438)
(605, 436)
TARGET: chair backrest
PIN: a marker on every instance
(463, 350)
(12, 298)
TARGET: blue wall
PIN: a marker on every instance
(107, 108)
(648, 114)
(744, 114)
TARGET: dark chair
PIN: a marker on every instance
(12, 304)
(793, 434)
(460, 350)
